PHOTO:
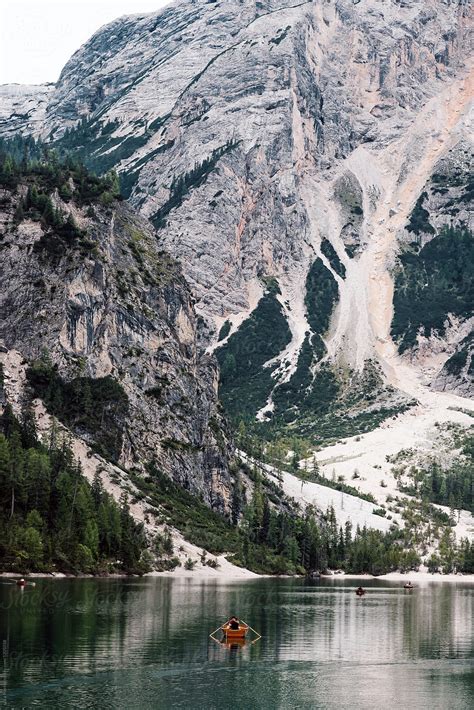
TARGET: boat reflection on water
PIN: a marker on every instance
(233, 650)
(113, 642)
(233, 644)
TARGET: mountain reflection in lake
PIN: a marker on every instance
(133, 643)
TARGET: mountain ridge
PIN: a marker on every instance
(306, 164)
(320, 137)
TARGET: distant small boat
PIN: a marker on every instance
(21, 583)
(360, 592)
(408, 585)
(231, 633)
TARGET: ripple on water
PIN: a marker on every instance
(146, 644)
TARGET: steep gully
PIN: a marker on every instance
(391, 180)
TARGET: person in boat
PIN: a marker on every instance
(360, 591)
(234, 623)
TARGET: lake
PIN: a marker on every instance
(144, 643)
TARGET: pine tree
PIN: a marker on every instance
(15, 483)
(65, 192)
(32, 198)
(70, 227)
(29, 434)
(5, 473)
(97, 489)
(25, 157)
(37, 480)
(8, 172)
(168, 547)
(48, 215)
(58, 217)
(91, 537)
(19, 214)
(265, 526)
(113, 183)
(348, 533)
(8, 421)
(32, 544)
(290, 549)
(86, 397)
(237, 500)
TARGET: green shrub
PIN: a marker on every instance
(225, 330)
(97, 407)
(244, 383)
(429, 285)
(420, 218)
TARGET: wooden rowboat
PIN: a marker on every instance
(239, 633)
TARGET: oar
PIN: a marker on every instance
(215, 632)
(255, 632)
(214, 639)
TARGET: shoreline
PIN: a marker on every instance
(248, 575)
(406, 577)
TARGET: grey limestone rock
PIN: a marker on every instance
(115, 304)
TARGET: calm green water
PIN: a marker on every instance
(144, 644)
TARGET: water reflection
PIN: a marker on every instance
(136, 643)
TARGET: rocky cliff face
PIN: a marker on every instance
(23, 108)
(292, 141)
(106, 323)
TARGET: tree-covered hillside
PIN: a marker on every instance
(432, 283)
(51, 518)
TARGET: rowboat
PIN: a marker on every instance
(239, 633)
(232, 637)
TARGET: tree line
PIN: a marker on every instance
(453, 486)
(287, 543)
(48, 188)
(309, 543)
(51, 517)
(26, 160)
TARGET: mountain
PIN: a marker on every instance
(309, 166)
(294, 144)
(104, 323)
(101, 379)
